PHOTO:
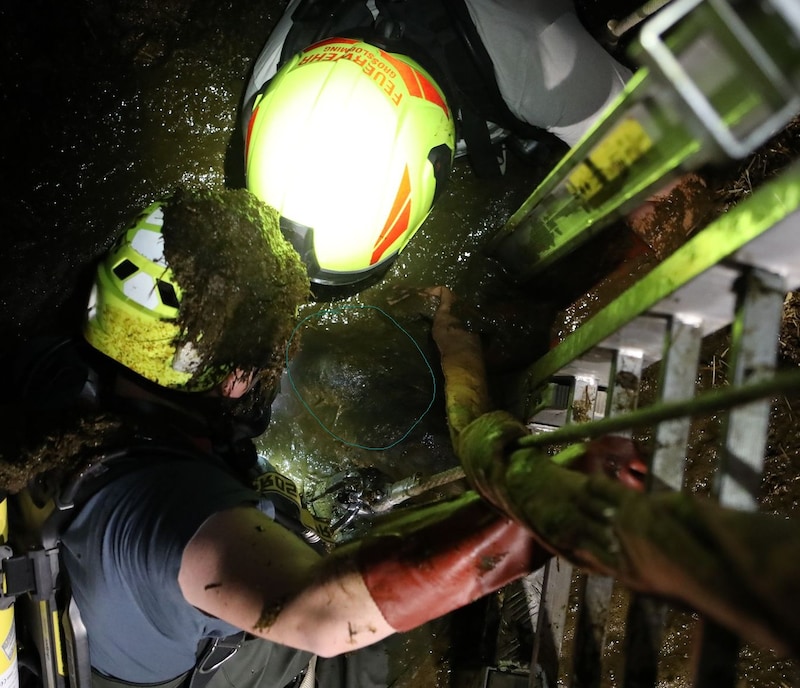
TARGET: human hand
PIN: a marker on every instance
(669, 216)
(571, 514)
(485, 445)
(570, 509)
(618, 458)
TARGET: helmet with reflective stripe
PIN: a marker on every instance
(133, 309)
(351, 144)
(200, 285)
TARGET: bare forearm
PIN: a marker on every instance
(333, 614)
(416, 567)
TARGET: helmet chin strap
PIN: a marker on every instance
(222, 419)
(189, 410)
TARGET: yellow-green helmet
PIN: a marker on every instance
(351, 144)
(133, 309)
(202, 284)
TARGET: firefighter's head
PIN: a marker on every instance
(201, 289)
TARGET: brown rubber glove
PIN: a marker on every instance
(438, 558)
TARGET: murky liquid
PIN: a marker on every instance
(117, 135)
(368, 369)
(98, 135)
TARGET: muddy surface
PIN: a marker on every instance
(108, 107)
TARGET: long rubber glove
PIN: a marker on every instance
(431, 561)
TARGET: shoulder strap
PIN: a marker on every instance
(69, 495)
(473, 70)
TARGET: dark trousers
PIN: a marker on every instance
(261, 664)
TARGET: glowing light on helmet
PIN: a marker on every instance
(350, 144)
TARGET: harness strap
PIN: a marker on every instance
(309, 679)
(480, 151)
(209, 659)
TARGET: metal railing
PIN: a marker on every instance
(717, 80)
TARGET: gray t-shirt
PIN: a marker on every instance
(122, 554)
(550, 70)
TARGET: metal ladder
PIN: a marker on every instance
(684, 108)
(595, 374)
(717, 79)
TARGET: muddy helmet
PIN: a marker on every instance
(133, 310)
(351, 144)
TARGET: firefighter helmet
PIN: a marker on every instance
(351, 144)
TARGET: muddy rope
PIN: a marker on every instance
(414, 486)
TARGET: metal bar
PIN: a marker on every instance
(594, 595)
(557, 583)
(679, 370)
(760, 231)
(643, 637)
(617, 28)
(552, 615)
(625, 383)
(754, 344)
(708, 402)
(590, 631)
(685, 107)
(549, 637)
(646, 615)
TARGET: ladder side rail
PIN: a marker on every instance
(594, 598)
(760, 231)
(646, 618)
(754, 344)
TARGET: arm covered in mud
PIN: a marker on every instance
(738, 568)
